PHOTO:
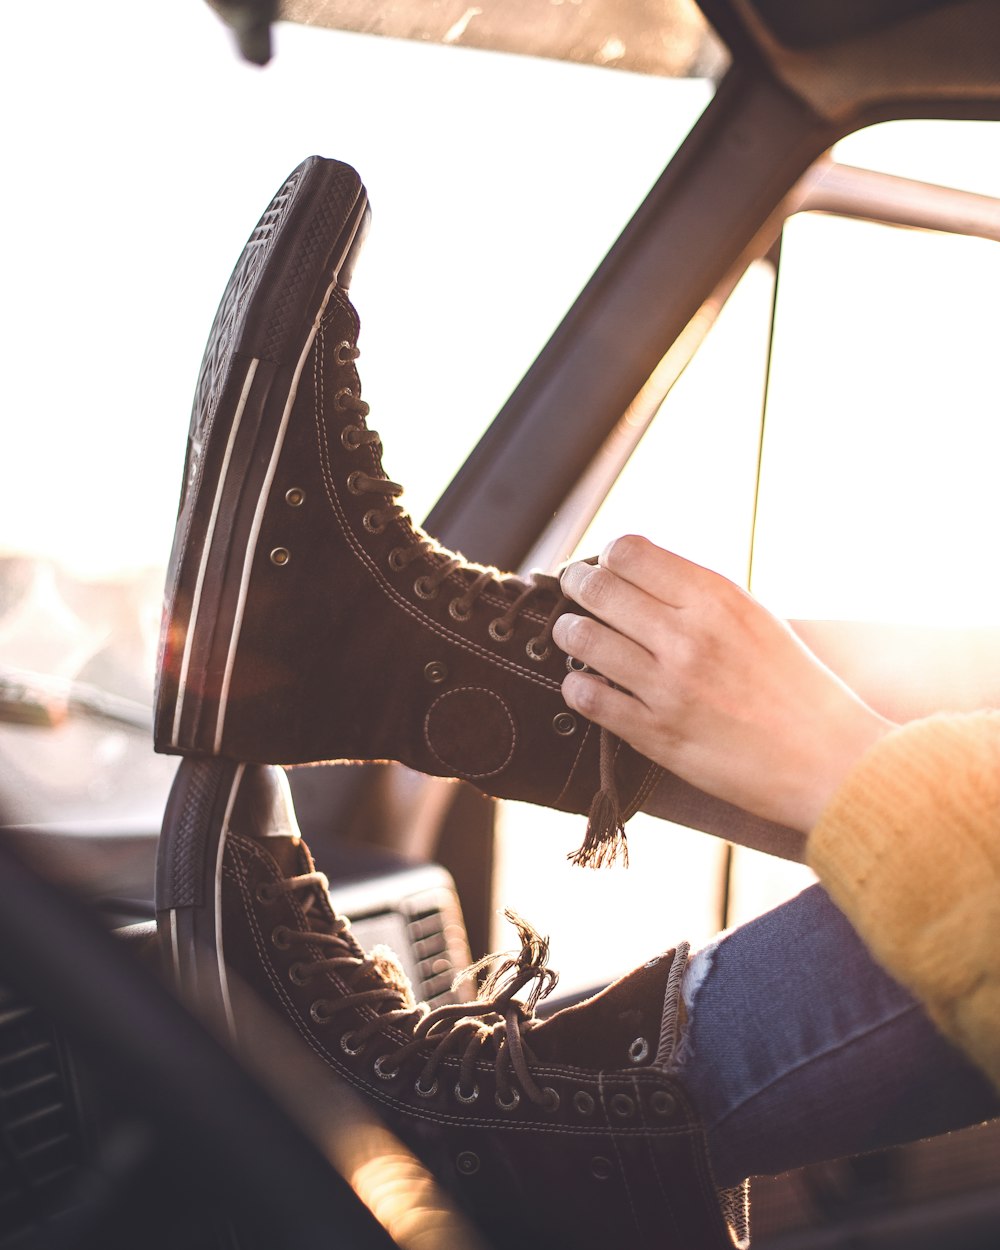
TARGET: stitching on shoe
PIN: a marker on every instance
(652, 776)
(460, 690)
(365, 559)
(655, 1165)
(576, 762)
(621, 1165)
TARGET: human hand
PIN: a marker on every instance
(712, 686)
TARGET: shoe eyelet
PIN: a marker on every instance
(279, 937)
(663, 1102)
(384, 1074)
(467, 1163)
(575, 666)
(466, 1098)
(347, 1048)
(280, 556)
(265, 892)
(373, 522)
(295, 496)
(436, 671)
(319, 1012)
(509, 1105)
(297, 975)
(424, 588)
(352, 482)
(425, 1091)
(564, 723)
(551, 1099)
(638, 1050)
(535, 652)
(622, 1106)
(500, 632)
(350, 437)
(345, 352)
(583, 1102)
(601, 1169)
(459, 611)
(338, 399)
(396, 559)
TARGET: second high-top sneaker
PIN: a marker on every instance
(307, 618)
(567, 1132)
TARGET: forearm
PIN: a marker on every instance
(909, 849)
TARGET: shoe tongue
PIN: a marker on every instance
(621, 1027)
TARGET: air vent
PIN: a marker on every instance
(416, 913)
(41, 1146)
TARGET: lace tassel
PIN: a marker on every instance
(605, 837)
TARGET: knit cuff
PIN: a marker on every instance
(909, 849)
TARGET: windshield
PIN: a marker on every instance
(498, 183)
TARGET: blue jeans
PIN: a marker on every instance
(800, 1048)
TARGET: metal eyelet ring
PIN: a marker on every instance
(500, 632)
(458, 610)
(348, 437)
(280, 556)
(663, 1102)
(466, 1098)
(352, 482)
(425, 1091)
(265, 892)
(396, 559)
(583, 1102)
(373, 522)
(535, 652)
(638, 1050)
(319, 1012)
(601, 1169)
(338, 399)
(564, 723)
(424, 588)
(344, 352)
(575, 666)
(467, 1163)
(297, 975)
(386, 1074)
(507, 1106)
(622, 1106)
(347, 1048)
(279, 937)
(295, 496)
(551, 1099)
(436, 671)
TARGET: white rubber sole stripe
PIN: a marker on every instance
(227, 1004)
(206, 551)
(258, 519)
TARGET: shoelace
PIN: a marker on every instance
(495, 1022)
(605, 836)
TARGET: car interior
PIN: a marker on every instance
(722, 274)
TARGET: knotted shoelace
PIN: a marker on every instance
(493, 1025)
(605, 835)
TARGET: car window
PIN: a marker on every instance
(497, 182)
(876, 450)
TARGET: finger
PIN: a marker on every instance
(666, 576)
(616, 710)
(627, 608)
(613, 655)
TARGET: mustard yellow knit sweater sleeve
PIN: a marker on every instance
(909, 849)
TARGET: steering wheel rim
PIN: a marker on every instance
(163, 1063)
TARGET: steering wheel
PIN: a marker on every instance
(182, 1105)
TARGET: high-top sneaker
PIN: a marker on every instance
(306, 617)
(568, 1131)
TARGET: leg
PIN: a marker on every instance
(800, 1048)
